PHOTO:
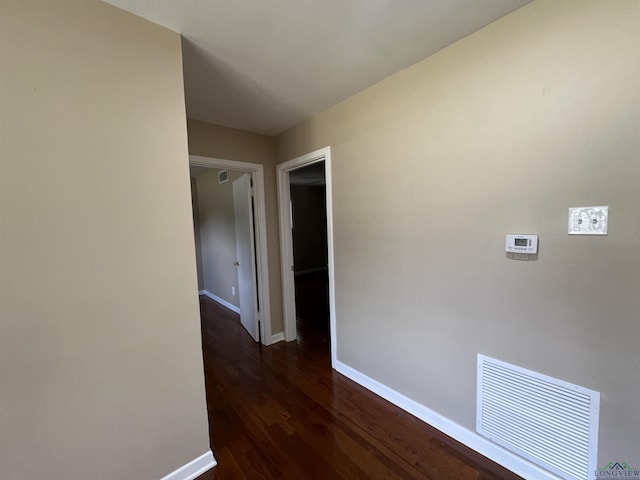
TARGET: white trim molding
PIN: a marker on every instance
(492, 451)
(277, 337)
(286, 243)
(260, 232)
(194, 468)
(222, 302)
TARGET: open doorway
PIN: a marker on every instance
(305, 208)
(230, 233)
(307, 187)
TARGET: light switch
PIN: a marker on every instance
(588, 220)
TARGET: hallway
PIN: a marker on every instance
(282, 412)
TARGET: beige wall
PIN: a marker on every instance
(100, 351)
(216, 141)
(500, 132)
(218, 235)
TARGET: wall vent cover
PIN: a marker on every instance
(551, 423)
(223, 176)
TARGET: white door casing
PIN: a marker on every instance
(286, 243)
(260, 232)
(245, 260)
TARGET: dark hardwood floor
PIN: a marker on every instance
(282, 412)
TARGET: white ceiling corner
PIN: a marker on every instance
(264, 66)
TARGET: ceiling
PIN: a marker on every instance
(266, 65)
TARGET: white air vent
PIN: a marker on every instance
(223, 176)
(552, 423)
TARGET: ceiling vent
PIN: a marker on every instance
(223, 176)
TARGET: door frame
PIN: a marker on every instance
(260, 233)
(286, 243)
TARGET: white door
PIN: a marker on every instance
(246, 254)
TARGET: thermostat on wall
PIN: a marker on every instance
(517, 243)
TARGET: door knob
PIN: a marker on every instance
(237, 264)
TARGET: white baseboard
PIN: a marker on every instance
(194, 468)
(494, 452)
(278, 337)
(201, 292)
(222, 302)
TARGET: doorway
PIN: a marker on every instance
(255, 285)
(288, 179)
(309, 230)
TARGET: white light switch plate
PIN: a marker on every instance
(588, 220)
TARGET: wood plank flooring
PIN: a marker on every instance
(282, 412)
